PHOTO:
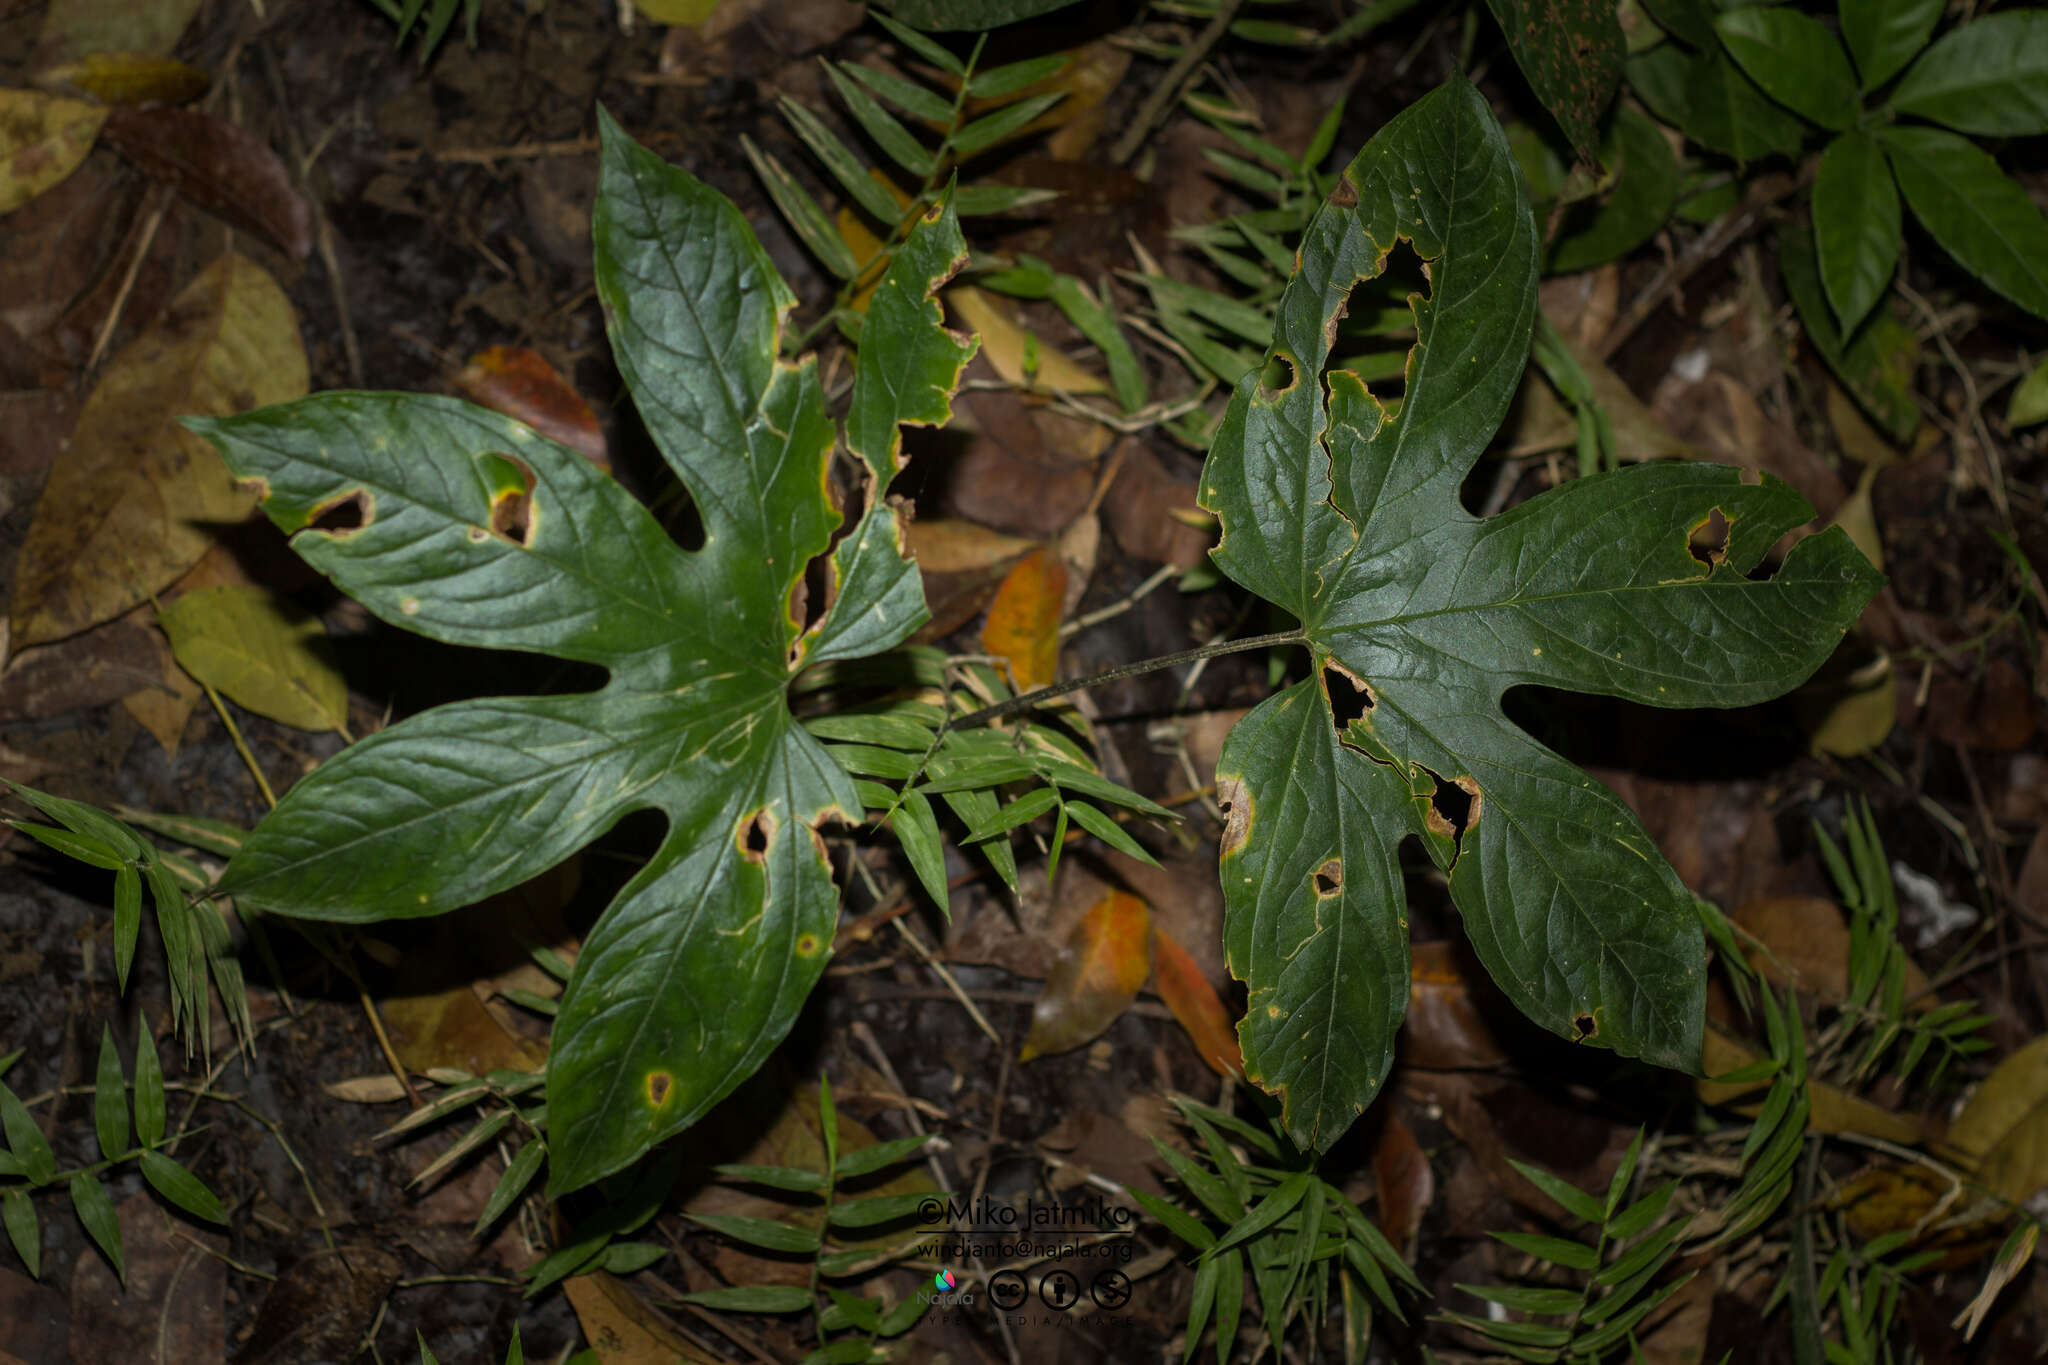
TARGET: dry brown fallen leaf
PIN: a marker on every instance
(1804, 942)
(76, 27)
(1403, 1179)
(623, 1330)
(131, 505)
(1095, 977)
(173, 1308)
(221, 167)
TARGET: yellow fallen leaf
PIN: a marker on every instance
(130, 506)
(2015, 1087)
(259, 652)
(1834, 1110)
(127, 78)
(43, 138)
(949, 545)
(692, 12)
(1015, 352)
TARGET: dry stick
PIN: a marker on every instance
(953, 988)
(1994, 464)
(1143, 666)
(323, 231)
(164, 195)
(1168, 90)
(1730, 228)
(866, 1036)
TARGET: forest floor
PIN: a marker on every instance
(417, 214)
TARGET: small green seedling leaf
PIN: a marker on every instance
(110, 1100)
(95, 1210)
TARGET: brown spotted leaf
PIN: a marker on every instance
(1571, 52)
(466, 526)
(1418, 617)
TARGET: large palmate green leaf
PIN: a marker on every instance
(1419, 616)
(474, 530)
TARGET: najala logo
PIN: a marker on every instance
(944, 1281)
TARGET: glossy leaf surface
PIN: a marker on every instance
(466, 526)
(1419, 617)
(1855, 225)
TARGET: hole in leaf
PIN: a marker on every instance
(1708, 542)
(342, 517)
(1277, 377)
(1374, 328)
(658, 1083)
(755, 833)
(1585, 1028)
(1330, 877)
(1453, 809)
(1350, 695)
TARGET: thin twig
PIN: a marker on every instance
(1730, 228)
(1143, 666)
(1168, 90)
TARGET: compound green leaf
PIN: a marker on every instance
(95, 1209)
(1979, 215)
(18, 1211)
(110, 1100)
(1796, 61)
(1571, 52)
(1989, 77)
(1875, 362)
(1645, 187)
(1855, 225)
(1419, 617)
(1726, 112)
(467, 527)
(1883, 35)
(181, 1187)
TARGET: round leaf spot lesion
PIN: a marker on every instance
(807, 945)
(659, 1083)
